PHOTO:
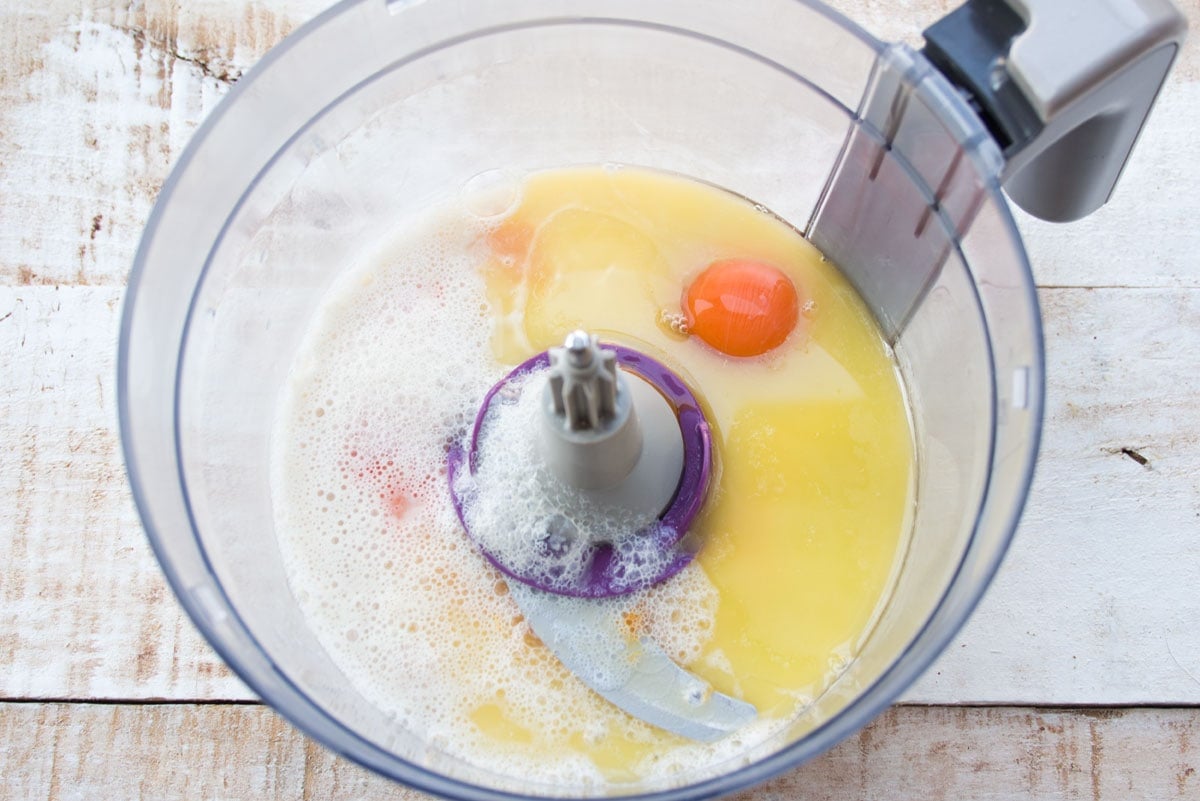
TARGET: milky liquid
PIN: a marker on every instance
(393, 370)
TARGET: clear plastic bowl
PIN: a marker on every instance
(375, 110)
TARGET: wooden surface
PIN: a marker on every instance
(182, 751)
(106, 690)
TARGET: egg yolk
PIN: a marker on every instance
(741, 307)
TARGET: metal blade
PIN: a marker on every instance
(588, 636)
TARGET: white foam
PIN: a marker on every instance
(391, 372)
(533, 522)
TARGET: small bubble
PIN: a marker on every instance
(491, 194)
(674, 321)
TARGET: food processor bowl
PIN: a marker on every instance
(377, 110)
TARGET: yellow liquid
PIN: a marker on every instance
(807, 516)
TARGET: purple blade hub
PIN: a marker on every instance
(643, 559)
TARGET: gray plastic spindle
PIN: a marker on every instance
(608, 433)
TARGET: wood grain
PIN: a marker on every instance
(60, 751)
(84, 610)
(96, 102)
(1096, 599)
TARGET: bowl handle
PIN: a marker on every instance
(1064, 86)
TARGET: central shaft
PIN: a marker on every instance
(591, 437)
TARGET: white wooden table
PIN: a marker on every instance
(1079, 676)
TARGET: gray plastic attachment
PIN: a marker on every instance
(583, 388)
(608, 433)
(1067, 92)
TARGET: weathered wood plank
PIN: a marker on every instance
(97, 100)
(60, 751)
(1096, 603)
(84, 611)
(1097, 598)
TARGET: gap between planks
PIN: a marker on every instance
(1095, 710)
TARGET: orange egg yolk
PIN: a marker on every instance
(741, 307)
